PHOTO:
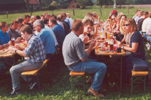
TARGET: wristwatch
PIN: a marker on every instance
(15, 51)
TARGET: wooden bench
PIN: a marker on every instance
(74, 74)
(139, 76)
(35, 72)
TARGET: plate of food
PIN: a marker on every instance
(102, 50)
(3, 51)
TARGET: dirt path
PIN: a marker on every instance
(137, 6)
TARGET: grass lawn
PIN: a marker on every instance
(55, 79)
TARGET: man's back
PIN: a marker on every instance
(73, 49)
(47, 40)
(59, 33)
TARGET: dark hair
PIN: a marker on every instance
(54, 16)
(26, 28)
(37, 17)
(52, 20)
(13, 22)
(46, 21)
(76, 24)
(145, 13)
(2, 24)
(19, 19)
(122, 16)
(26, 16)
(88, 22)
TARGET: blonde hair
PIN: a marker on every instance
(131, 21)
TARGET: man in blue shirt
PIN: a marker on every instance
(4, 38)
(58, 31)
(46, 38)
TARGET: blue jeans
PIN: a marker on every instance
(145, 35)
(97, 71)
(16, 70)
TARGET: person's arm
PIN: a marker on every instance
(21, 53)
(131, 49)
(88, 51)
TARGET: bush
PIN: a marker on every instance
(77, 5)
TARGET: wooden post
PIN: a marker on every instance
(31, 13)
(100, 12)
(73, 13)
(128, 9)
(52, 12)
(7, 14)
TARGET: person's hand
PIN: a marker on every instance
(85, 39)
(1, 47)
(5, 45)
(96, 45)
(119, 44)
(18, 40)
(92, 44)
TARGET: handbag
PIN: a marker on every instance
(139, 65)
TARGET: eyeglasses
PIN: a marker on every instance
(126, 24)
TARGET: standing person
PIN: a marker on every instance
(136, 47)
(75, 57)
(36, 55)
(12, 33)
(46, 37)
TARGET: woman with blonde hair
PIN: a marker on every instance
(136, 46)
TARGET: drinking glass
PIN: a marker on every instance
(13, 41)
(111, 45)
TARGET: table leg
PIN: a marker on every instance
(121, 75)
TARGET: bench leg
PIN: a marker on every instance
(38, 81)
(132, 85)
(71, 85)
(144, 84)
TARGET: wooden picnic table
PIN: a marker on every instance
(6, 53)
(114, 53)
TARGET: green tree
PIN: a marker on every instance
(27, 4)
(54, 3)
(82, 3)
(104, 2)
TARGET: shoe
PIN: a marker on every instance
(148, 46)
(32, 85)
(95, 93)
(14, 93)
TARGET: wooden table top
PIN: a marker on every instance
(7, 53)
(97, 52)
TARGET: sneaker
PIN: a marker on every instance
(14, 93)
(32, 85)
(95, 93)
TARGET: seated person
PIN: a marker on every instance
(36, 55)
(46, 37)
(136, 47)
(58, 31)
(12, 33)
(75, 57)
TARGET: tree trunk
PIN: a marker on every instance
(40, 5)
(27, 4)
